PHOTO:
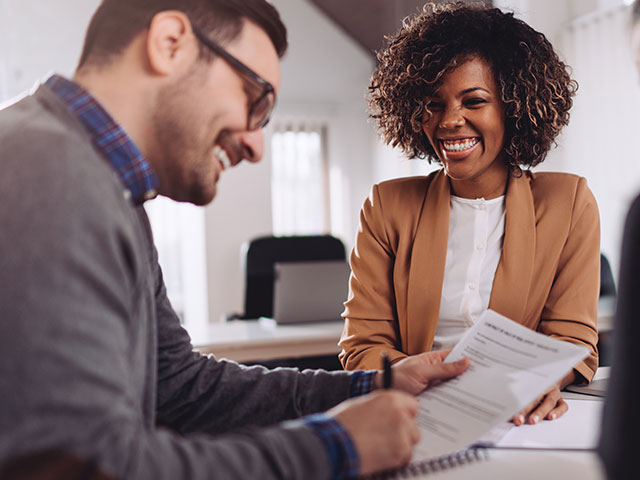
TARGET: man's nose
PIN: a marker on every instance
(252, 145)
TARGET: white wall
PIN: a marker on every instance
(38, 37)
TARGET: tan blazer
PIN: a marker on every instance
(548, 277)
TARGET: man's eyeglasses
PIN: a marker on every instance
(260, 109)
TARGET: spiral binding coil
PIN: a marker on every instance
(447, 462)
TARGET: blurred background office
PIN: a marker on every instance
(322, 153)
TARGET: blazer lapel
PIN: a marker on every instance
(427, 268)
(513, 278)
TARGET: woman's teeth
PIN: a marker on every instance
(459, 145)
(222, 156)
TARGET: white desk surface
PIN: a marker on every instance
(254, 340)
(263, 339)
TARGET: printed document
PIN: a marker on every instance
(510, 366)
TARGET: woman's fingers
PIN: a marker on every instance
(545, 407)
(549, 407)
(520, 417)
(561, 409)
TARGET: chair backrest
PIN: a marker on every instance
(607, 282)
(263, 252)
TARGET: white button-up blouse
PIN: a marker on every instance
(476, 234)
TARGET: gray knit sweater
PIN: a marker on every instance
(93, 359)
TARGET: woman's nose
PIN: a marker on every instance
(451, 118)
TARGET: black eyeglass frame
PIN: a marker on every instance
(265, 86)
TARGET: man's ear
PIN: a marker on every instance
(170, 42)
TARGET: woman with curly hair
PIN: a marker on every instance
(485, 95)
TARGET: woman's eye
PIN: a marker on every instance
(435, 106)
(475, 102)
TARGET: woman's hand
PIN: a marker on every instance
(547, 407)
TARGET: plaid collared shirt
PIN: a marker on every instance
(140, 181)
(109, 138)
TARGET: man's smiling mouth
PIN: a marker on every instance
(222, 156)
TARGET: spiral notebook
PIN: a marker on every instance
(425, 467)
(500, 464)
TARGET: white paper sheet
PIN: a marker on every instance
(578, 428)
(510, 366)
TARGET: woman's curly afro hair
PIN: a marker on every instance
(534, 84)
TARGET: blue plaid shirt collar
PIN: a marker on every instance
(109, 138)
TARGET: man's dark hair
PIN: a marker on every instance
(116, 23)
(635, 11)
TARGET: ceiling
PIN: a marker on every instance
(368, 21)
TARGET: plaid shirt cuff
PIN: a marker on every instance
(343, 458)
(362, 382)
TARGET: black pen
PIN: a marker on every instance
(386, 371)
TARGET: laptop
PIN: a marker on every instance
(310, 291)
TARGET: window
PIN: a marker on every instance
(178, 230)
(300, 178)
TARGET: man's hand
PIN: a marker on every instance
(382, 424)
(382, 427)
(546, 407)
(414, 374)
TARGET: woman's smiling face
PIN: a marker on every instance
(466, 126)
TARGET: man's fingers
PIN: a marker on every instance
(415, 434)
(439, 355)
(382, 427)
(446, 370)
(433, 358)
(401, 401)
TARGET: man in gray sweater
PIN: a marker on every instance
(93, 360)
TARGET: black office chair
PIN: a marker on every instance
(261, 255)
(607, 283)
(608, 292)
